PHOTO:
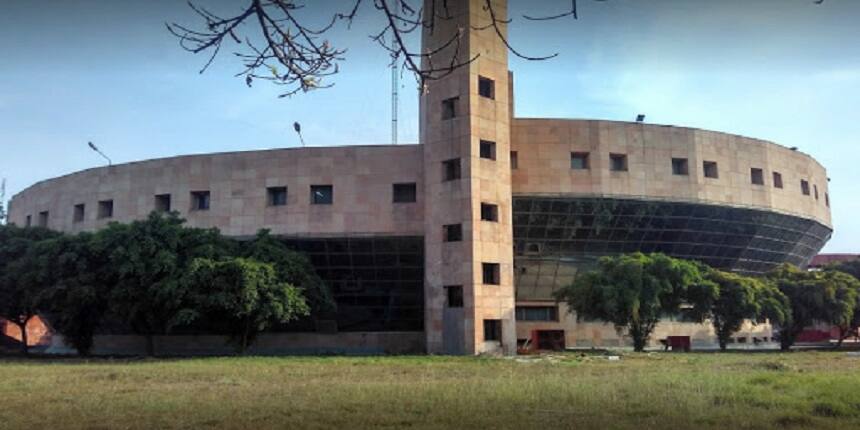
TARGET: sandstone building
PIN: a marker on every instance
(456, 244)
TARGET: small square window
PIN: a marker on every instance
(680, 167)
(489, 212)
(453, 232)
(757, 176)
(162, 203)
(200, 200)
(322, 194)
(486, 87)
(449, 108)
(804, 187)
(579, 160)
(618, 162)
(43, 219)
(404, 193)
(815, 191)
(491, 275)
(29, 221)
(105, 209)
(79, 213)
(710, 168)
(454, 294)
(277, 196)
(492, 330)
(514, 160)
(451, 169)
(488, 149)
(777, 180)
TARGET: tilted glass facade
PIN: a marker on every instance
(377, 282)
(555, 237)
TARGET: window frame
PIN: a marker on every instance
(314, 189)
(79, 213)
(453, 296)
(449, 108)
(584, 157)
(489, 212)
(492, 330)
(452, 232)
(710, 169)
(412, 192)
(200, 197)
(614, 158)
(452, 175)
(105, 209)
(491, 273)
(490, 149)
(680, 166)
(777, 180)
(492, 87)
(160, 199)
(757, 173)
(273, 194)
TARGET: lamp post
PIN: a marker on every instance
(96, 149)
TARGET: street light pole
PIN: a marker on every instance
(95, 148)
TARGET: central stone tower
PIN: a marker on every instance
(465, 130)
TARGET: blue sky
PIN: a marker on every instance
(107, 71)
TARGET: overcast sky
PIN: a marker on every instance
(107, 71)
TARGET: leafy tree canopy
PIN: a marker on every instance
(634, 291)
(247, 294)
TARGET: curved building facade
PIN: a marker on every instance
(464, 237)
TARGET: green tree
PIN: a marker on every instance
(851, 328)
(80, 279)
(21, 276)
(634, 291)
(247, 295)
(828, 297)
(739, 299)
(149, 258)
(293, 268)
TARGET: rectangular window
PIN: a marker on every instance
(322, 194)
(710, 168)
(200, 200)
(804, 187)
(537, 313)
(451, 169)
(79, 213)
(579, 160)
(618, 162)
(488, 149)
(453, 232)
(491, 275)
(449, 108)
(454, 294)
(105, 209)
(29, 221)
(404, 193)
(514, 161)
(680, 167)
(757, 176)
(43, 219)
(486, 87)
(492, 330)
(827, 199)
(162, 203)
(277, 196)
(815, 191)
(489, 212)
(777, 180)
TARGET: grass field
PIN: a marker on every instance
(641, 391)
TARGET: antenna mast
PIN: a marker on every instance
(394, 96)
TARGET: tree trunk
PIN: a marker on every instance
(150, 345)
(25, 348)
(722, 343)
